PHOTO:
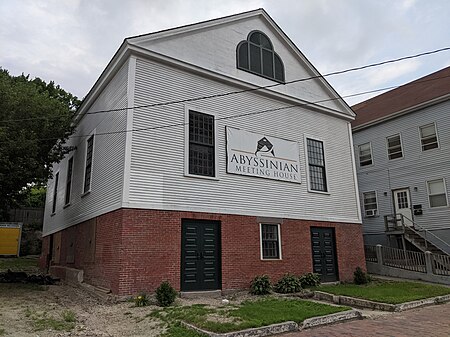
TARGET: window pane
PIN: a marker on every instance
(256, 38)
(88, 168)
(365, 155)
(69, 180)
(243, 56)
(265, 42)
(201, 144)
(436, 186)
(438, 200)
(270, 241)
(255, 59)
(394, 147)
(427, 130)
(428, 137)
(55, 193)
(370, 201)
(316, 161)
(267, 63)
(279, 69)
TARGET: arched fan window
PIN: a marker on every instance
(257, 56)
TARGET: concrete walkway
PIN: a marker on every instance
(432, 321)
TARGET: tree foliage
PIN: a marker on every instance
(35, 123)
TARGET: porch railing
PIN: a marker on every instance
(371, 253)
(404, 259)
(441, 264)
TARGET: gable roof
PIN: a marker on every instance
(414, 95)
(133, 45)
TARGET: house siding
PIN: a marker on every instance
(157, 179)
(109, 151)
(412, 171)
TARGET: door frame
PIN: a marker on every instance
(219, 249)
(394, 201)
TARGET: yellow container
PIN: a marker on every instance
(10, 239)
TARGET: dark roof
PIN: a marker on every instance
(402, 98)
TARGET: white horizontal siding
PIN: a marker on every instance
(412, 171)
(157, 162)
(108, 161)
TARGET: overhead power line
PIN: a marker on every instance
(187, 100)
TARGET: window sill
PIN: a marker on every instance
(318, 192)
(53, 214)
(271, 259)
(201, 177)
(66, 205)
(85, 193)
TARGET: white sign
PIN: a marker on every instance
(252, 154)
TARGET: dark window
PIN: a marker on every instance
(69, 180)
(256, 55)
(88, 168)
(270, 241)
(201, 144)
(316, 162)
(55, 192)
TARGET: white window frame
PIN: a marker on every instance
(187, 108)
(401, 146)
(56, 185)
(371, 155)
(364, 204)
(305, 145)
(71, 181)
(261, 241)
(445, 191)
(92, 134)
(437, 137)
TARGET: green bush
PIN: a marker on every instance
(360, 277)
(260, 285)
(288, 284)
(165, 294)
(309, 280)
(141, 300)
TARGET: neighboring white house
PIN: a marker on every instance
(402, 146)
(206, 155)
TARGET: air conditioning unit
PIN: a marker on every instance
(371, 212)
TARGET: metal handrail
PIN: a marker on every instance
(419, 227)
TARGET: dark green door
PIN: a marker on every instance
(324, 253)
(200, 255)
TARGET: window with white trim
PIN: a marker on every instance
(394, 144)
(365, 154)
(270, 241)
(201, 144)
(437, 194)
(370, 203)
(428, 137)
(316, 163)
(69, 180)
(55, 193)
(88, 165)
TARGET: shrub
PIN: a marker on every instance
(165, 294)
(260, 285)
(309, 280)
(360, 277)
(288, 284)
(141, 300)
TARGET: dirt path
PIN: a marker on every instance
(26, 309)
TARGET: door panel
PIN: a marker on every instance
(324, 253)
(402, 204)
(200, 255)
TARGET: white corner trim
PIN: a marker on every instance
(355, 175)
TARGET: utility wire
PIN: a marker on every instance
(339, 72)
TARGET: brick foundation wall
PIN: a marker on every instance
(135, 249)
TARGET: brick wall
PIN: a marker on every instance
(135, 250)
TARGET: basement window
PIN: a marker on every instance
(270, 242)
(394, 144)
(437, 193)
(365, 154)
(428, 137)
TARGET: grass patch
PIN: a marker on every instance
(43, 321)
(18, 263)
(391, 292)
(2, 331)
(250, 314)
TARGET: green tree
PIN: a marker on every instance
(35, 123)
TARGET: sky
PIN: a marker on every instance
(72, 41)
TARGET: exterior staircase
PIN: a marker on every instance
(419, 237)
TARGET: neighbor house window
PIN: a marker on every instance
(201, 144)
(370, 203)
(257, 56)
(437, 193)
(394, 144)
(88, 166)
(365, 154)
(316, 163)
(55, 192)
(69, 180)
(270, 241)
(428, 137)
